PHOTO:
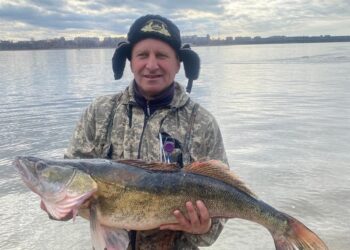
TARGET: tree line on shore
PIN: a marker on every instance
(109, 42)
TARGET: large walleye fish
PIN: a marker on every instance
(132, 195)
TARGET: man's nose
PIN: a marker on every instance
(152, 63)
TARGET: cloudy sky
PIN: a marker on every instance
(45, 19)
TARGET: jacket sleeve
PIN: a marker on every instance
(207, 143)
(206, 140)
(89, 137)
(82, 143)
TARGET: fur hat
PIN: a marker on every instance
(157, 27)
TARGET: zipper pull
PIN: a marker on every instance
(148, 110)
(129, 109)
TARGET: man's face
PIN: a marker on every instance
(154, 65)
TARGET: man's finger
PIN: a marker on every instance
(181, 219)
(203, 212)
(192, 213)
(174, 227)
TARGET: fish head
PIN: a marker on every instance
(42, 177)
(62, 187)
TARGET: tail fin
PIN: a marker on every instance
(298, 236)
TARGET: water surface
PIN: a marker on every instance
(284, 112)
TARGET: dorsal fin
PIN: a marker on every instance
(220, 171)
(155, 166)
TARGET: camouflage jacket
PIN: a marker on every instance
(116, 127)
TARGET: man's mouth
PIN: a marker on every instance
(152, 76)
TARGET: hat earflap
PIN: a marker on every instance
(122, 52)
(191, 63)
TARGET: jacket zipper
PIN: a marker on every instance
(147, 115)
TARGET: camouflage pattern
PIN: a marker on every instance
(133, 136)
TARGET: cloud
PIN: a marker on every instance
(62, 17)
(45, 18)
(280, 17)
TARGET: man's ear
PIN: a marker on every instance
(178, 65)
(131, 68)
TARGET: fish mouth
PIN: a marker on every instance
(25, 166)
(21, 167)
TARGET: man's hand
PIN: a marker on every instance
(198, 221)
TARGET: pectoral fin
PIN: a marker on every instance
(106, 238)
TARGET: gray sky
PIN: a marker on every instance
(45, 19)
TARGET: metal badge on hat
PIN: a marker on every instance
(156, 26)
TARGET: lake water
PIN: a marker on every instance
(284, 111)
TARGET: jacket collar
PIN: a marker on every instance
(179, 100)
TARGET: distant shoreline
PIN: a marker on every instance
(194, 41)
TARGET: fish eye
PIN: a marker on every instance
(40, 166)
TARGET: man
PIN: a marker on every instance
(155, 120)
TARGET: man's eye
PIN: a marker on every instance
(142, 55)
(162, 56)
